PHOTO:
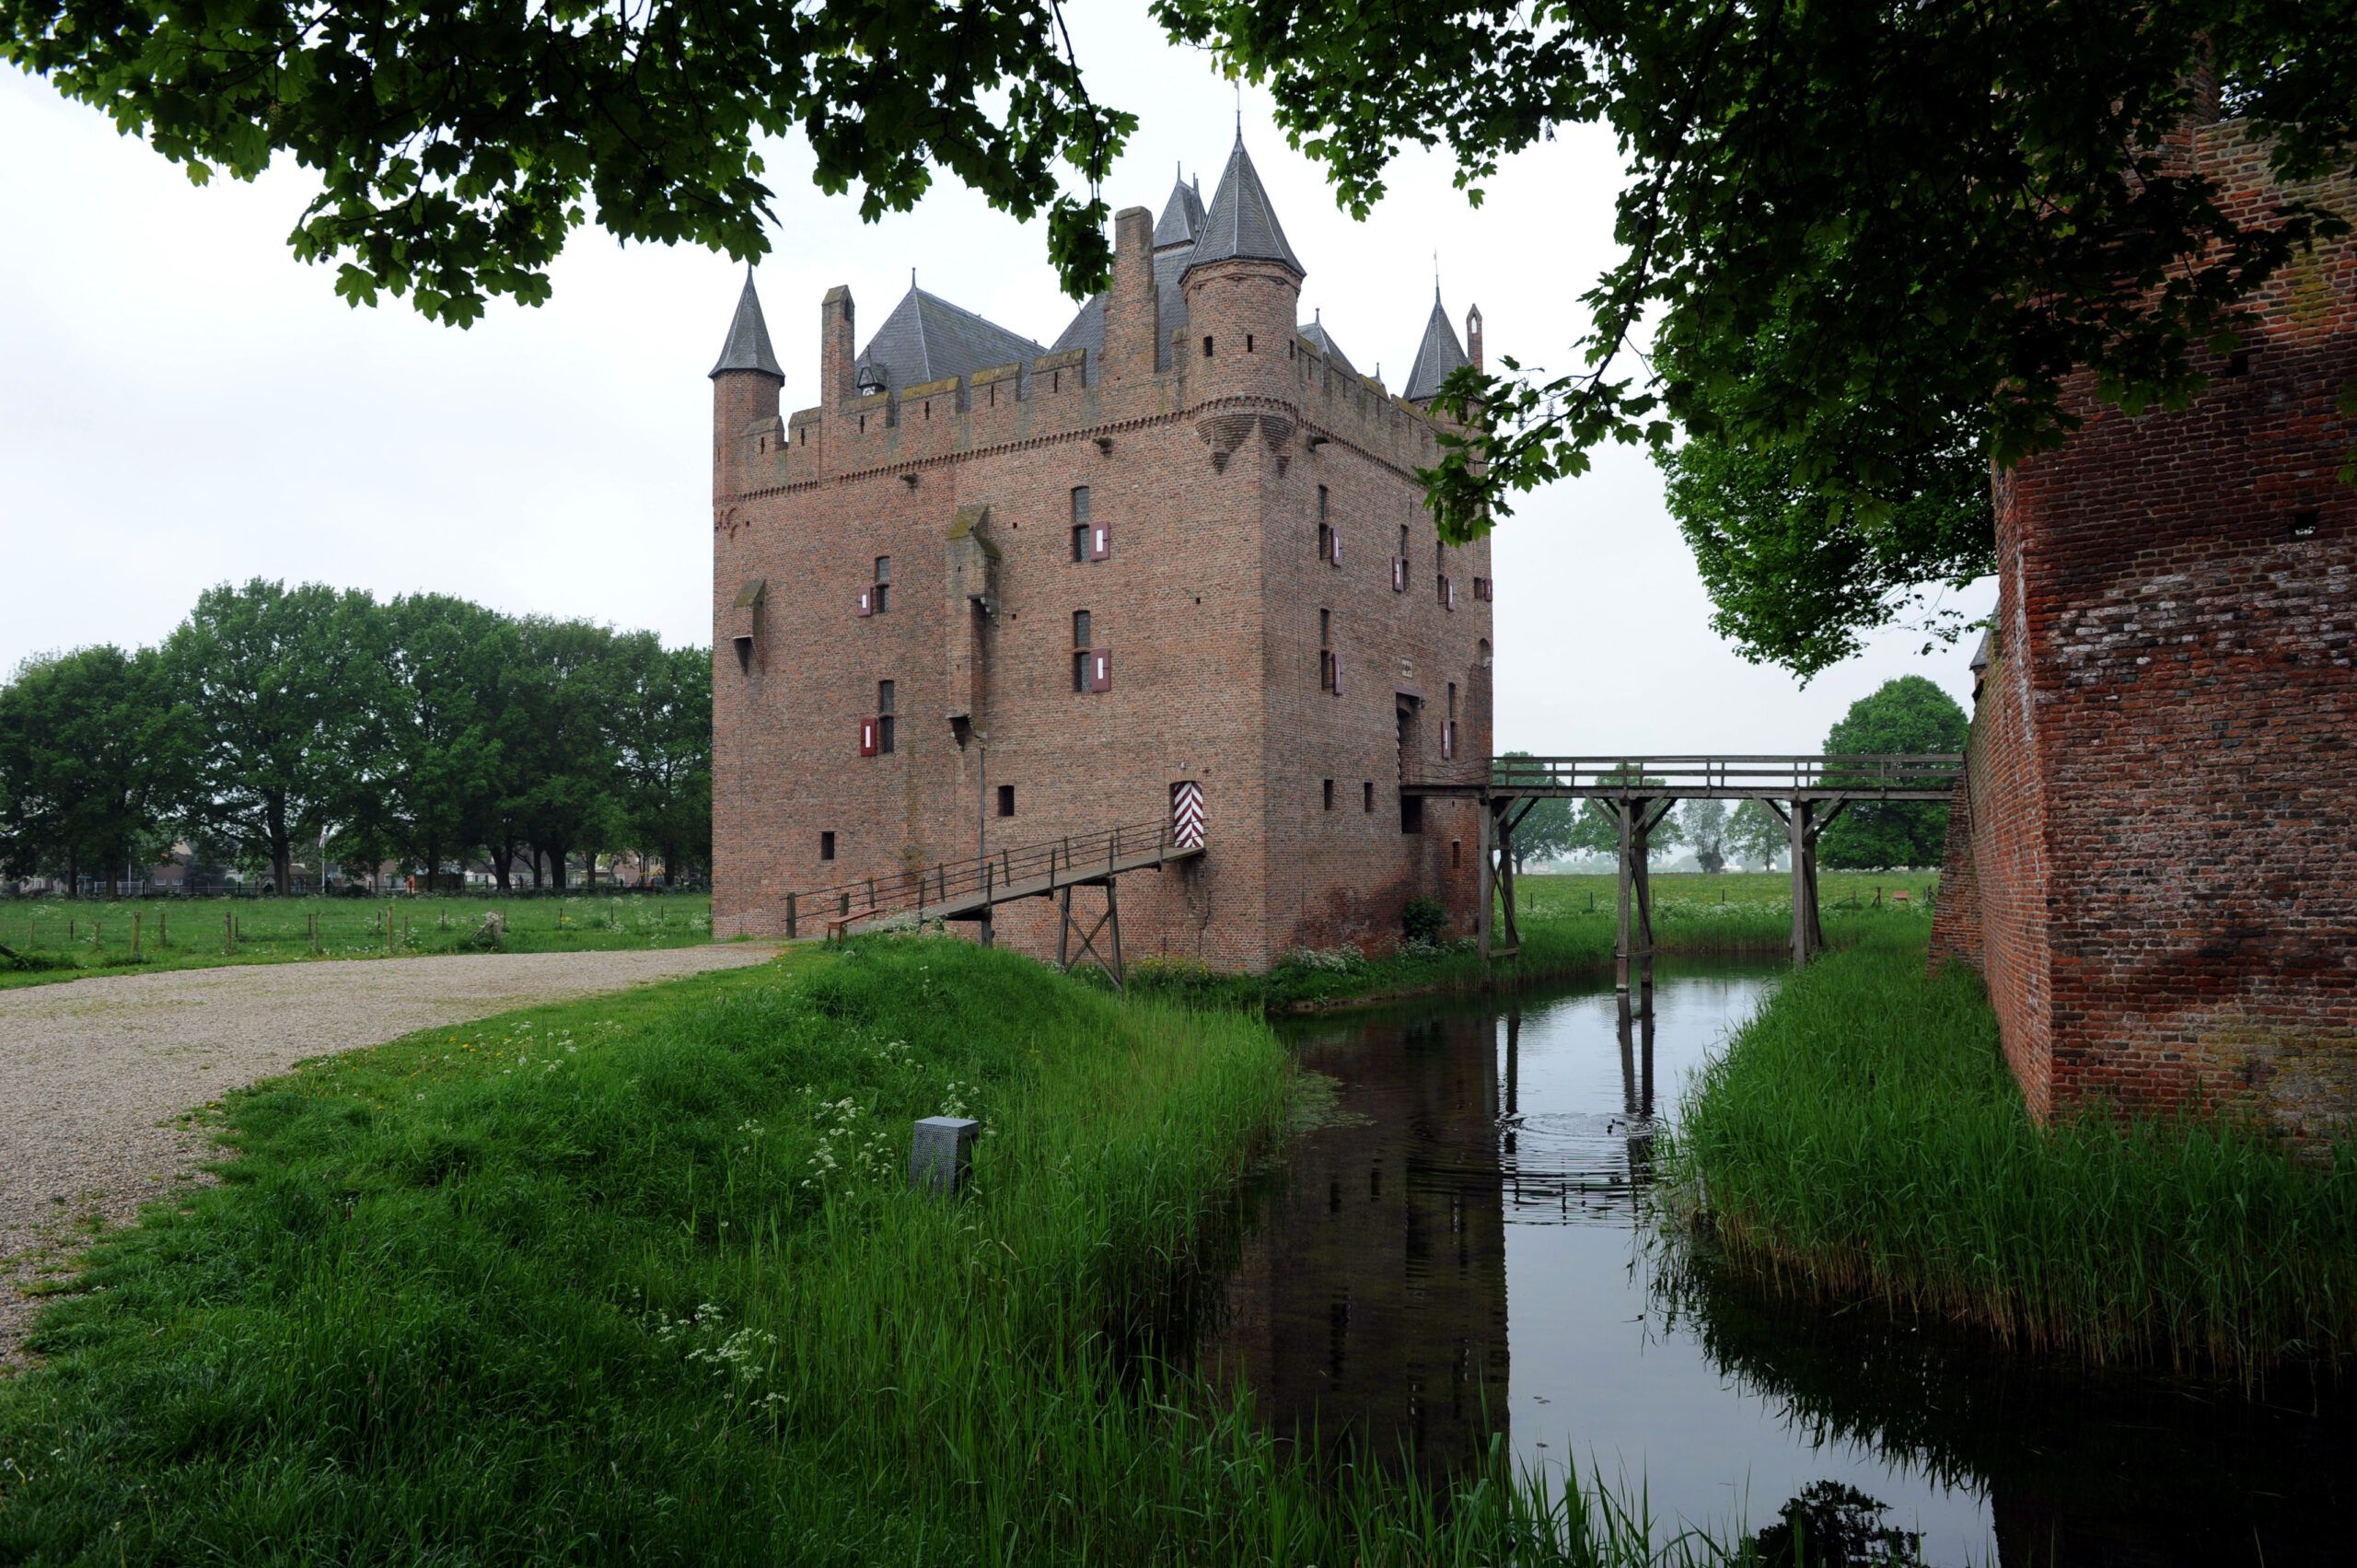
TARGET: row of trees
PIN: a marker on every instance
(1907, 716)
(424, 729)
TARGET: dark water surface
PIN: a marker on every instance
(1461, 1253)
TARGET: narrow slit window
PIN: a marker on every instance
(1321, 502)
(884, 717)
(1207, 348)
(1006, 800)
(1330, 795)
(883, 584)
(1080, 647)
(1366, 795)
(827, 846)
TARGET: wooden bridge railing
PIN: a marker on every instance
(954, 887)
(1921, 776)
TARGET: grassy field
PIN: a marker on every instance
(64, 939)
(1861, 1137)
(1568, 925)
(640, 1279)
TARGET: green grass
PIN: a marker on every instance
(1861, 1137)
(640, 1279)
(1567, 924)
(65, 939)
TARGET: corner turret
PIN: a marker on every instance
(746, 384)
(1437, 355)
(1242, 286)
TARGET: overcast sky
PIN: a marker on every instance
(182, 403)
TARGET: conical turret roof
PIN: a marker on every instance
(1182, 217)
(1241, 224)
(1439, 353)
(747, 346)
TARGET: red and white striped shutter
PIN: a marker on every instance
(867, 601)
(1187, 814)
(1448, 738)
(1100, 540)
(1334, 546)
(1101, 669)
(868, 738)
(1399, 573)
(1450, 595)
(1338, 675)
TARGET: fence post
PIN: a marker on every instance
(228, 934)
(134, 936)
(789, 917)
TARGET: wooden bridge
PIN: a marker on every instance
(1807, 793)
(972, 887)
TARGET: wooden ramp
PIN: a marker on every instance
(972, 887)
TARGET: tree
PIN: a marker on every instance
(91, 753)
(559, 790)
(277, 685)
(447, 666)
(1902, 717)
(663, 732)
(1757, 836)
(1863, 234)
(459, 144)
(1703, 825)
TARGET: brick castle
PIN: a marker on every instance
(986, 590)
(2152, 857)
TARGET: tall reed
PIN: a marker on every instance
(641, 1278)
(1862, 1136)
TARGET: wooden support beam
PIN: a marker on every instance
(1642, 873)
(1804, 853)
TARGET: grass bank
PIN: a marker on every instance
(58, 939)
(1861, 1137)
(1567, 924)
(639, 1278)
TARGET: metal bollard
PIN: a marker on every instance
(943, 1155)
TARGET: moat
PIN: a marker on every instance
(1462, 1250)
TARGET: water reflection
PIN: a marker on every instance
(1496, 1154)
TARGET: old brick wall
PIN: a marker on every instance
(1208, 478)
(2166, 750)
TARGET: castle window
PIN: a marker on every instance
(1330, 795)
(1324, 541)
(1329, 675)
(827, 846)
(1321, 502)
(884, 717)
(745, 654)
(2305, 523)
(1455, 853)
(1080, 650)
(1448, 593)
(883, 584)
(1366, 795)
(1247, 342)
(1006, 800)
(1207, 348)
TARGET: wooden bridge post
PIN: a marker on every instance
(1627, 808)
(1804, 854)
(1487, 878)
(1641, 874)
(988, 887)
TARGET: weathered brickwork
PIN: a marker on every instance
(2161, 856)
(1208, 478)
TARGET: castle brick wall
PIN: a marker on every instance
(1208, 477)
(2165, 752)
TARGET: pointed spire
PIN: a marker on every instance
(1439, 353)
(1182, 217)
(1242, 224)
(748, 345)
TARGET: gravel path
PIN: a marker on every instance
(95, 1075)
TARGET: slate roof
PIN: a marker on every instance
(1182, 217)
(1241, 224)
(747, 344)
(926, 338)
(1319, 338)
(1439, 353)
